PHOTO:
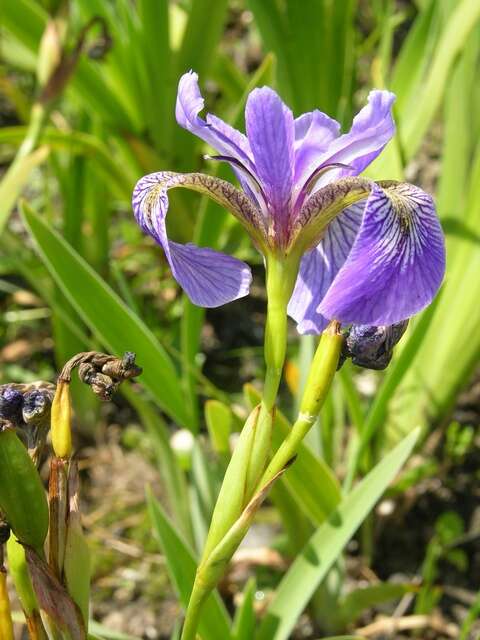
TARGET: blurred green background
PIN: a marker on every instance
(76, 272)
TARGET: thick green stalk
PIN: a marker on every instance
(192, 619)
(18, 569)
(231, 498)
(6, 623)
(211, 570)
(320, 377)
(38, 119)
(281, 276)
(13, 179)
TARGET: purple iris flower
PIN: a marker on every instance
(369, 252)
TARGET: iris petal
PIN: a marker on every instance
(270, 130)
(371, 129)
(217, 133)
(311, 222)
(209, 278)
(314, 132)
(397, 262)
(214, 131)
(319, 267)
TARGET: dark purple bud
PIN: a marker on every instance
(10, 403)
(36, 406)
(371, 347)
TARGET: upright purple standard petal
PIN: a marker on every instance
(271, 134)
(218, 134)
(314, 133)
(396, 264)
(209, 278)
(372, 128)
(232, 145)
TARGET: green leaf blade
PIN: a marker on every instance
(326, 544)
(102, 310)
(181, 564)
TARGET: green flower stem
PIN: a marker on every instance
(38, 118)
(6, 622)
(197, 598)
(281, 276)
(18, 569)
(320, 377)
(211, 570)
(231, 498)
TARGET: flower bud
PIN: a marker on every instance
(49, 54)
(122, 369)
(61, 429)
(10, 403)
(36, 407)
(102, 385)
(371, 347)
(102, 372)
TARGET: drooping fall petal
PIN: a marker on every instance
(209, 278)
(396, 264)
(371, 129)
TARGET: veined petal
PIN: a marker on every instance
(270, 130)
(217, 133)
(311, 222)
(372, 128)
(397, 262)
(319, 268)
(314, 132)
(155, 186)
(209, 278)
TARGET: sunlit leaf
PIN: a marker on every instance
(324, 547)
(181, 564)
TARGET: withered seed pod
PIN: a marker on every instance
(36, 406)
(104, 373)
(371, 347)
